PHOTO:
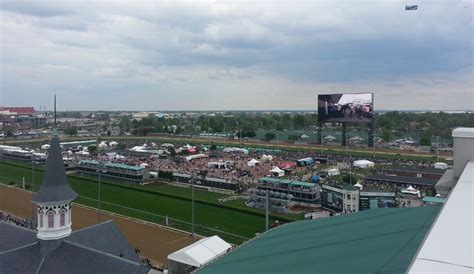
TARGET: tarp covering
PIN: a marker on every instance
(287, 165)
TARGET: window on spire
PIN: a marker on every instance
(51, 219)
(62, 218)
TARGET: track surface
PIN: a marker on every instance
(154, 242)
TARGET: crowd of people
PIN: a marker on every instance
(13, 219)
(238, 171)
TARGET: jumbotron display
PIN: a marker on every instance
(345, 108)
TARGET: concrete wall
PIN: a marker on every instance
(463, 139)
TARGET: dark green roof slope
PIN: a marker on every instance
(373, 241)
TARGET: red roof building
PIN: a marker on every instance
(20, 111)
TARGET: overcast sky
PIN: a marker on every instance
(223, 55)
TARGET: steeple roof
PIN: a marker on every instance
(54, 185)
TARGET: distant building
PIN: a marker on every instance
(349, 198)
(303, 192)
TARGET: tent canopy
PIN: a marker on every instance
(267, 157)
(410, 188)
(356, 138)
(363, 163)
(252, 162)
(329, 137)
(278, 171)
(201, 252)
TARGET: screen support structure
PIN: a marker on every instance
(371, 141)
(344, 134)
(320, 133)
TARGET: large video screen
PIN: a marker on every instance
(346, 108)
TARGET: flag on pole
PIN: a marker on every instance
(413, 7)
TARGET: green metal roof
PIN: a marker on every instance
(437, 200)
(376, 240)
(286, 181)
(122, 166)
(113, 165)
(91, 162)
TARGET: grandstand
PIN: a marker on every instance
(302, 192)
(208, 183)
(23, 156)
(428, 173)
(401, 181)
(136, 174)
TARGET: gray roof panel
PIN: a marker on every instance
(72, 258)
(13, 236)
(105, 237)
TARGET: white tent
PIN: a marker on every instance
(144, 165)
(359, 186)
(253, 162)
(363, 164)
(411, 190)
(45, 147)
(197, 254)
(113, 144)
(356, 138)
(441, 165)
(304, 136)
(333, 172)
(267, 158)
(138, 148)
(278, 171)
(329, 138)
(102, 145)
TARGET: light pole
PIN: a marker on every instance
(193, 178)
(266, 211)
(98, 211)
(32, 185)
(373, 146)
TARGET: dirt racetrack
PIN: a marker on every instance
(155, 242)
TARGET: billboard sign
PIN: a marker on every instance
(346, 108)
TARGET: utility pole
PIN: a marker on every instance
(193, 178)
(437, 148)
(373, 147)
(98, 211)
(32, 185)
